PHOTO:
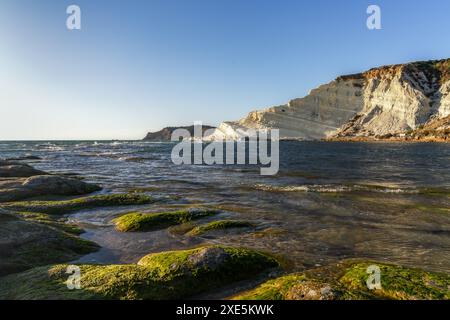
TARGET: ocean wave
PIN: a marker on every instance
(330, 188)
(49, 147)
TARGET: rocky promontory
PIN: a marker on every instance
(166, 133)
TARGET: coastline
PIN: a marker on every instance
(393, 140)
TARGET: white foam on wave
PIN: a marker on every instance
(329, 188)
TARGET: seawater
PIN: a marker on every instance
(329, 201)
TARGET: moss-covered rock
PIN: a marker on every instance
(219, 225)
(66, 206)
(140, 222)
(292, 287)
(435, 191)
(51, 221)
(36, 240)
(348, 280)
(398, 282)
(181, 229)
(431, 209)
(166, 275)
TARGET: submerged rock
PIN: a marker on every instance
(139, 222)
(348, 281)
(65, 206)
(219, 225)
(28, 241)
(24, 158)
(59, 185)
(270, 232)
(4, 163)
(166, 275)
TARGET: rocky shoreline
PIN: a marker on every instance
(391, 139)
(435, 130)
(37, 245)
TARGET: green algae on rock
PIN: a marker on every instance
(140, 222)
(166, 275)
(219, 225)
(51, 221)
(347, 281)
(398, 282)
(292, 287)
(33, 241)
(181, 229)
(66, 206)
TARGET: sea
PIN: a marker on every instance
(329, 201)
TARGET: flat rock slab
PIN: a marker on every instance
(43, 185)
(17, 169)
(26, 243)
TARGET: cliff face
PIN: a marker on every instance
(386, 100)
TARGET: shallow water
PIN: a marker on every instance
(330, 201)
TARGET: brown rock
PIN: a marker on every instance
(44, 185)
(19, 170)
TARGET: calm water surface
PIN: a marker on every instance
(330, 201)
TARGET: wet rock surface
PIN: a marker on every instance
(142, 222)
(43, 185)
(10, 169)
(19, 181)
(29, 241)
(209, 257)
(348, 280)
(155, 277)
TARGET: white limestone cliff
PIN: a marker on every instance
(385, 100)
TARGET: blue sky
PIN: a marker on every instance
(140, 65)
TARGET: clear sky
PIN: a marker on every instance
(140, 65)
